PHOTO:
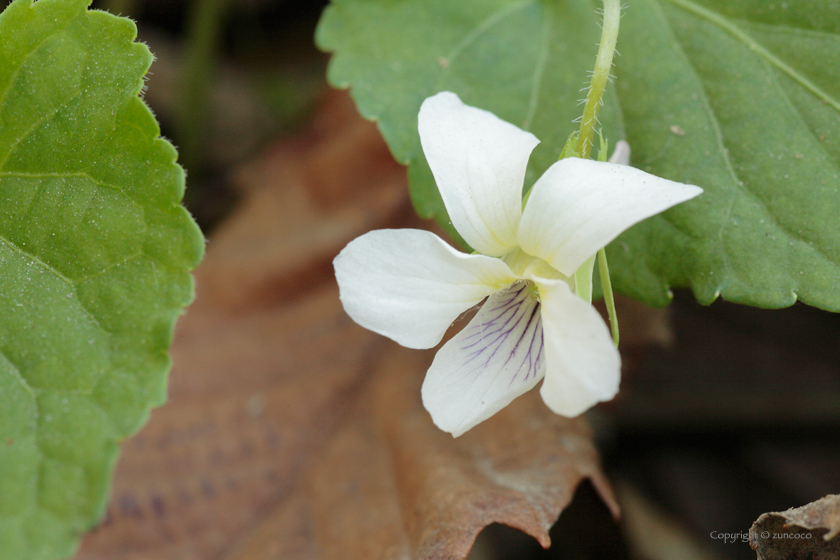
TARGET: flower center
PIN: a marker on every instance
(518, 261)
(527, 266)
(533, 291)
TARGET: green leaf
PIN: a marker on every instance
(95, 253)
(741, 98)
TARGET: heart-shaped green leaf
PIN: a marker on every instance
(95, 253)
(740, 98)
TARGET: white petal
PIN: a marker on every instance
(409, 285)
(621, 153)
(496, 358)
(579, 206)
(479, 162)
(583, 366)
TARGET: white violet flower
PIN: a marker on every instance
(410, 286)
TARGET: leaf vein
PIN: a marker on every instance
(539, 72)
(98, 273)
(718, 134)
(64, 175)
(754, 46)
(741, 187)
(484, 26)
(57, 273)
(16, 71)
(45, 118)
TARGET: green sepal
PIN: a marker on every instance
(603, 147)
(570, 147)
(606, 288)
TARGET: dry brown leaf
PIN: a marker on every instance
(305, 199)
(391, 485)
(292, 433)
(806, 532)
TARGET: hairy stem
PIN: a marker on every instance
(600, 76)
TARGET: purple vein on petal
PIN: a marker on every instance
(484, 332)
(532, 332)
(505, 311)
(513, 312)
(508, 323)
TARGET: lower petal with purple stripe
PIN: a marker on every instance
(497, 357)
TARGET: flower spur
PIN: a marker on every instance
(409, 285)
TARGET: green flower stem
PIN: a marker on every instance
(603, 268)
(583, 147)
(203, 34)
(600, 75)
